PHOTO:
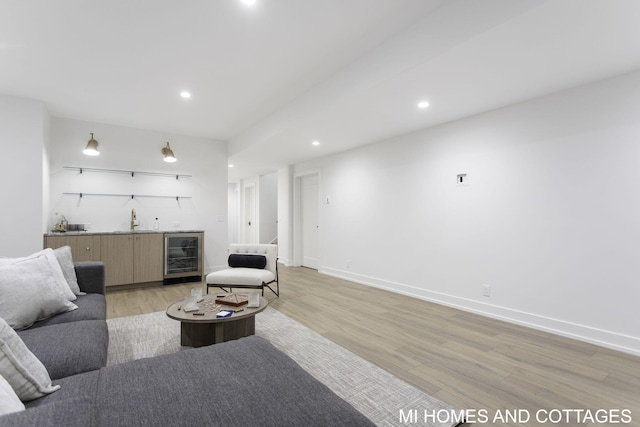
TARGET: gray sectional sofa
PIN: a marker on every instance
(247, 382)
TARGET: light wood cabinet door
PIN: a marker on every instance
(148, 254)
(83, 248)
(128, 258)
(117, 255)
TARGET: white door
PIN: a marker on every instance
(249, 214)
(309, 220)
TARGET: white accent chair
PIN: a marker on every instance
(251, 278)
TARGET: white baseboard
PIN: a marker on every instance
(284, 261)
(602, 338)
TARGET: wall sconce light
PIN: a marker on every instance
(92, 147)
(168, 154)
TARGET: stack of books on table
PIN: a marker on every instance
(235, 300)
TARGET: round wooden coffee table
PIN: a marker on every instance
(207, 329)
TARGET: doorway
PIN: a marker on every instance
(249, 214)
(307, 219)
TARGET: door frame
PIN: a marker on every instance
(243, 229)
(297, 216)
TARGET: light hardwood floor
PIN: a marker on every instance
(466, 360)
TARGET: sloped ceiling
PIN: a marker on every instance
(274, 77)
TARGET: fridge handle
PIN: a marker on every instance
(166, 264)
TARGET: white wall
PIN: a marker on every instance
(264, 222)
(133, 149)
(46, 173)
(285, 215)
(550, 218)
(233, 200)
(23, 125)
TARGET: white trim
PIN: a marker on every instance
(608, 339)
(297, 223)
(284, 261)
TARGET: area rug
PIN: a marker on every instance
(382, 397)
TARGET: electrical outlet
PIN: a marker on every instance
(176, 225)
(486, 290)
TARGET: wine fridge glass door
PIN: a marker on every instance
(183, 255)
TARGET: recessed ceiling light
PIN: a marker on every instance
(185, 94)
(315, 143)
(248, 2)
(230, 166)
(423, 104)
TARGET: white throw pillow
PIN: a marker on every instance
(9, 400)
(29, 292)
(65, 260)
(54, 265)
(56, 270)
(23, 371)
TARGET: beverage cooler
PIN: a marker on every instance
(183, 257)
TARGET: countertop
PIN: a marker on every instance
(100, 233)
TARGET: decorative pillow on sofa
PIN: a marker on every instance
(29, 292)
(9, 400)
(247, 260)
(63, 255)
(23, 371)
(55, 267)
(56, 270)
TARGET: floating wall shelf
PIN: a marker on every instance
(126, 195)
(132, 173)
(127, 172)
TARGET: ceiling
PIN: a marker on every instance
(271, 78)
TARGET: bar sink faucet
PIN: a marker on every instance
(134, 219)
